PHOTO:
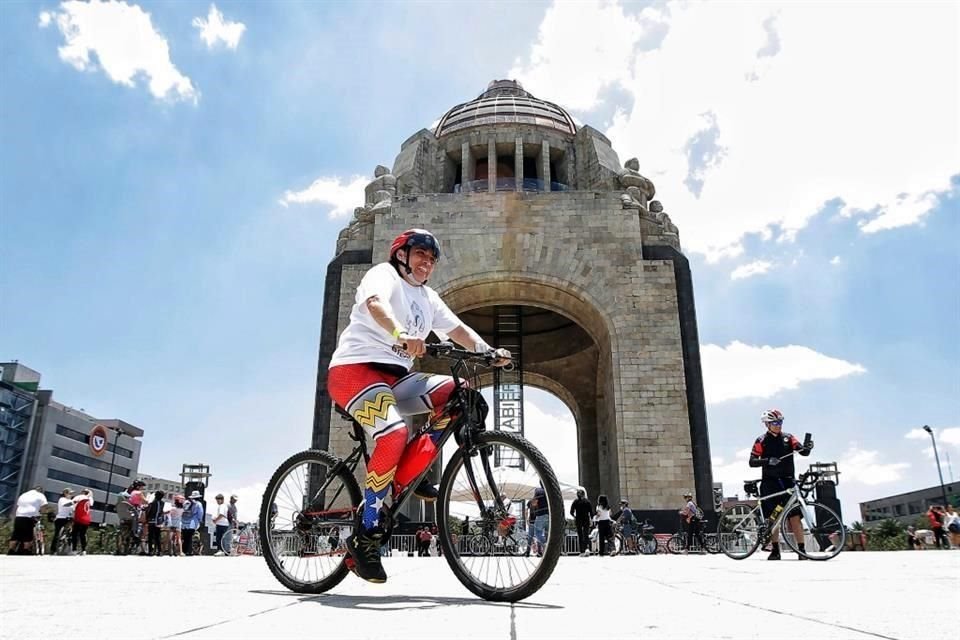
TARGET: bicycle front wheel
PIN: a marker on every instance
(647, 545)
(823, 533)
(713, 543)
(308, 511)
(676, 543)
(740, 530)
(228, 543)
(615, 544)
(495, 488)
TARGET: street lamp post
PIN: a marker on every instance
(106, 500)
(936, 456)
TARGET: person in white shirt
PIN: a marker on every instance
(64, 517)
(221, 522)
(28, 510)
(369, 377)
(604, 524)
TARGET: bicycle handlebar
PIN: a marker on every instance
(452, 352)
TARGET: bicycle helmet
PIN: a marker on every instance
(415, 238)
(408, 240)
(771, 415)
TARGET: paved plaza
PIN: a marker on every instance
(856, 595)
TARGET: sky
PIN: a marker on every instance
(173, 176)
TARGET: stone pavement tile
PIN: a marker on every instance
(856, 595)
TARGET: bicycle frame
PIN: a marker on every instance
(797, 498)
(463, 402)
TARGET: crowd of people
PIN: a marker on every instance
(147, 526)
(944, 529)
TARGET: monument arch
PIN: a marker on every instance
(575, 244)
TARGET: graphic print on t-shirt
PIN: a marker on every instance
(415, 322)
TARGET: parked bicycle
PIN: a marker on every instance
(743, 528)
(646, 540)
(315, 492)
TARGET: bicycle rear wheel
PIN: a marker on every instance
(505, 465)
(305, 518)
(740, 530)
(824, 533)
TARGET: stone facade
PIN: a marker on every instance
(570, 231)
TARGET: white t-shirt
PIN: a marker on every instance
(64, 507)
(602, 514)
(419, 310)
(221, 516)
(28, 505)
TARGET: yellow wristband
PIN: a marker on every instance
(396, 333)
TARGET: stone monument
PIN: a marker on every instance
(536, 212)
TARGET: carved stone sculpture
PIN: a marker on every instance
(639, 190)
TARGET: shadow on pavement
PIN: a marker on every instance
(398, 602)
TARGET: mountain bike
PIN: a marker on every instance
(314, 492)
(743, 528)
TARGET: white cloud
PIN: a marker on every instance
(752, 269)
(248, 499)
(947, 438)
(950, 435)
(573, 76)
(342, 196)
(905, 210)
(744, 371)
(125, 43)
(813, 119)
(864, 467)
(215, 29)
(835, 260)
(732, 473)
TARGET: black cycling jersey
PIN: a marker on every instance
(775, 446)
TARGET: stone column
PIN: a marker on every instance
(518, 163)
(545, 164)
(492, 165)
(468, 170)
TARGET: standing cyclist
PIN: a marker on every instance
(370, 378)
(772, 452)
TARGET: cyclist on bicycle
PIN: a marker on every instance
(370, 378)
(772, 451)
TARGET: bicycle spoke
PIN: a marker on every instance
(302, 535)
(509, 531)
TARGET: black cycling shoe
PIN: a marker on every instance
(364, 549)
(774, 555)
(426, 491)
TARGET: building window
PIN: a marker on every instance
(899, 510)
(80, 481)
(94, 463)
(73, 434)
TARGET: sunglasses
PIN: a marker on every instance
(777, 423)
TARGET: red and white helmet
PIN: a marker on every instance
(771, 415)
(415, 238)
